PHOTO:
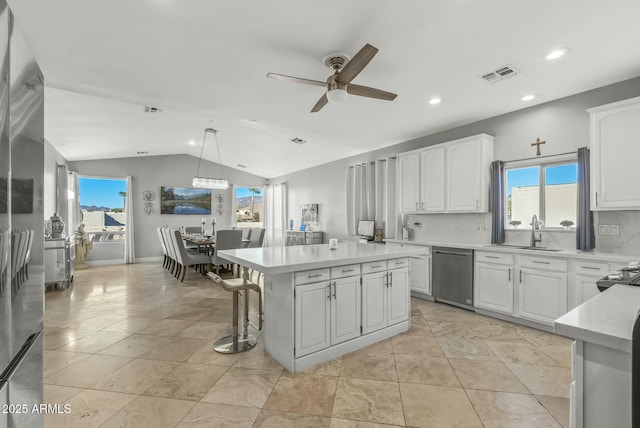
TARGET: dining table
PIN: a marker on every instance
(206, 243)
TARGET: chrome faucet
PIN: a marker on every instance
(534, 225)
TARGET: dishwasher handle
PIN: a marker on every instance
(453, 253)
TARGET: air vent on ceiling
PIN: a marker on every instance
(148, 109)
(142, 153)
(242, 166)
(298, 140)
(499, 74)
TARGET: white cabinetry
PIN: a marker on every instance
(449, 177)
(614, 136)
(493, 288)
(328, 312)
(385, 296)
(420, 275)
(467, 173)
(542, 288)
(432, 176)
(409, 181)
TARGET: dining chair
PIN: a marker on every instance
(257, 237)
(164, 247)
(185, 259)
(168, 240)
(225, 240)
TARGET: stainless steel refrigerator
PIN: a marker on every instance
(21, 229)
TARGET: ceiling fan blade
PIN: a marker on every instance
(357, 64)
(365, 91)
(297, 79)
(321, 103)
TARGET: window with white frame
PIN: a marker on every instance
(102, 202)
(547, 190)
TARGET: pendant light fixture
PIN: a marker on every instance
(208, 182)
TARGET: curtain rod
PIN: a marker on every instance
(541, 157)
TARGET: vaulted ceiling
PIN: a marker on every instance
(203, 63)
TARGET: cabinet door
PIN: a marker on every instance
(615, 131)
(432, 181)
(493, 287)
(398, 296)
(313, 317)
(345, 309)
(543, 295)
(463, 162)
(421, 274)
(409, 182)
(586, 288)
(374, 301)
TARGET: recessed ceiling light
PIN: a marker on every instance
(435, 100)
(242, 166)
(528, 97)
(142, 153)
(192, 143)
(253, 122)
(298, 140)
(556, 53)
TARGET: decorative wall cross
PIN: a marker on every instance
(537, 144)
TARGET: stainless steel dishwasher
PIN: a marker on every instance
(452, 276)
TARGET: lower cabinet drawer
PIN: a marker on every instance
(373, 267)
(592, 268)
(546, 263)
(309, 276)
(398, 263)
(345, 271)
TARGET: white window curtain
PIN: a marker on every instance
(350, 177)
(371, 195)
(75, 214)
(129, 249)
(392, 219)
(275, 214)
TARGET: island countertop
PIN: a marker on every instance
(275, 260)
(606, 319)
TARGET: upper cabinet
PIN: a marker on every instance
(447, 178)
(614, 137)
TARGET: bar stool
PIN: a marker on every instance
(238, 342)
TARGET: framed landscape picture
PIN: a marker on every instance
(179, 200)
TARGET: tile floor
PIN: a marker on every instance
(129, 346)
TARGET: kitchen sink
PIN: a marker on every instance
(521, 247)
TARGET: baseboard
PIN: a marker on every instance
(149, 259)
(105, 262)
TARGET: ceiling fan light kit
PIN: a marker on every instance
(209, 182)
(338, 85)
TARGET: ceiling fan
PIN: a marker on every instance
(339, 83)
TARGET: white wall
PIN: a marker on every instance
(563, 124)
(152, 172)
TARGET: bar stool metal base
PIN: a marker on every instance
(234, 344)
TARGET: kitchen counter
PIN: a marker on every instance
(276, 260)
(601, 357)
(606, 319)
(515, 249)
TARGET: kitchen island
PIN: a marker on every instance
(320, 303)
(601, 357)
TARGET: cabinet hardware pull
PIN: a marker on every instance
(416, 206)
(509, 274)
(334, 290)
(476, 202)
(329, 291)
(347, 270)
(492, 257)
(390, 279)
(386, 279)
(539, 262)
(590, 267)
(315, 276)
(520, 277)
(422, 205)
(376, 266)
(596, 199)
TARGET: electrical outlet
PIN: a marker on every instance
(615, 229)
